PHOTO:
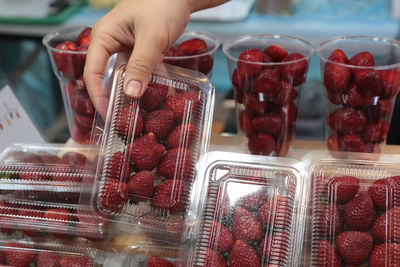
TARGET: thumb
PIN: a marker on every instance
(145, 55)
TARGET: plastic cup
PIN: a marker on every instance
(68, 67)
(190, 53)
(361, 78)
(267, 73)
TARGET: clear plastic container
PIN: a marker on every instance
(149, 148)
(251, 211)
(354, 210)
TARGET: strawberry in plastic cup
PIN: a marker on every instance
(361, 78)
(267, 73)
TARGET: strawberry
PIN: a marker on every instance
(221, 238)
(66, 59)
(275, 212)
(48, 259)
(202, 62)
(379, 111)
(239, 81)
(332, 142)
(248, 63)
(387, 254)
(261, 144)
(68, 176)
(385, 192)
(155, 261)
(331, 222)
(327, 256)
(58, 218)
(29, 213)
(243, 255)
(182, 135)
(369, 82)
(390, 82)
(338, 56)
(76, 261)
(119, 167)
(284, 139)
(129, 119)
(191, 45)
(342, 189)
(84, 36)
(114, 195)
(19, 255)
(81, 103)
(82, 53)
(141, 186)
(74, 159)
(376, 132)
(276, 52)
(154, 96)
(47, 158)
(91, 225)
(171, 55)
(246, 226)
(145, 152)
(276, 248)
(213, 259)
(336, 78)
(245, 123)
(35, 176)
(362, 59)
(359, 213)
(333, 97)
(83, 122)
(346, 120)
(288, 112)
(294, 69)
(7, 219)
(255, 196)
(266, 82)
(354, 247)
(386, 226)
(268, 123)
(354, 97)
(353, 143)
(286, 94)
(254, 105)
(169, 195)
(159, 122)
(176, 164)
(183, 105)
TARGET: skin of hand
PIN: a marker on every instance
(142, 28)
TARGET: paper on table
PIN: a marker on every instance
(233, 10)
(24, 8)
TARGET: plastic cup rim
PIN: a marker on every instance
(52, 34)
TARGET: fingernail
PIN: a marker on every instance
(133, 88)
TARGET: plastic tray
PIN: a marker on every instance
(354, 213)
(249, 199)
(148, 151)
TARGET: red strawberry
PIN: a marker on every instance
(81, 57)
(275, 212)
(81, 103)
(191, 45)
(66, 59)
(333, 97)
(114, 195)
(267, 82)
(145, 152)
(182, 135)
(169, 195)
(284, 139)
(141, 186)
(83, 122)
(245, 123)
(387, 254)
(35, 176)
(171, 55)
(254, 105)
(221, 238)
(58, 219)
(286, 94)
(276, 248)
(342, 189)
(91, 225)
(176, 164)
(74, 159)
(376, 132)
(379, 111)
(354, 247)
(129, 119)
(120, 167)
(353, 143)
(331, 221)
(246, 226)
(183, 105)
(362, 59)
(159, 122)
(248, 64)
(390, 82)
(47, 158)
(84, 36)
(354, 97)
(154, 96)
(213, 259)
(255, 196)
(203, 62)
(332, 142)
(69, 176)
(276, 52)
(7, 219)
(346, 120)
(336, 78)
(338, 56)
(385, 192)
(369, 82)
(294, 69)
(19, 255)
(327, 255)
(48, 259)
(359, 213)
(76, 261)
(29, 213)
(261, 144)
(155, 261)
(243, 255)
(288, 112)
(268, 123)
(387, 226)
(238, 80)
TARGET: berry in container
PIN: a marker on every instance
(361, 78)
(267, 73)
(148, 151)
(354, 210)
(251, 211)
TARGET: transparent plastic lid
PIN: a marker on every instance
(354, 210)
(149, 148)
(251, 211)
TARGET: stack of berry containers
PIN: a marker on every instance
(251, 212)
(267, 74)
(193, 50)
(361, 77)
(40, 188)
(355, 211)
(148, 151)
(67, 49)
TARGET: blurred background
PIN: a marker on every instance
(25, 64)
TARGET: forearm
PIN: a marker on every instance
(196, 5)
